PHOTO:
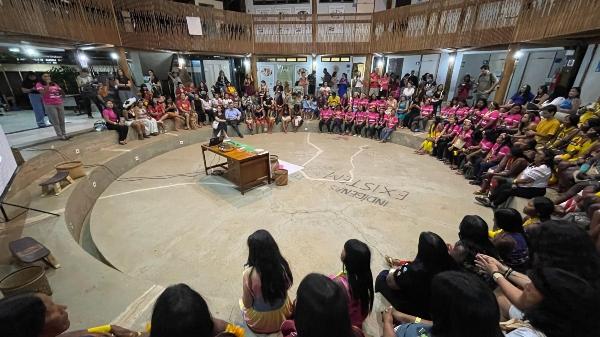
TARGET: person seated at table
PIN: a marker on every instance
(233, 117)
(321, 310)
(141, 114)
(265, 302)
(406, 285)
(113, 122)
(36, 315)
(181, 311)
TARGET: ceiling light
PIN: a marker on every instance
(518, 54)
(31, 52)
(114, 56)
(14, 50)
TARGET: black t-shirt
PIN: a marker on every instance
(123, 80)
(29, 84)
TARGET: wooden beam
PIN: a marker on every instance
(507, 72)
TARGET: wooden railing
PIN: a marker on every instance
(437, 24)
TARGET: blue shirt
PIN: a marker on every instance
(232, 113)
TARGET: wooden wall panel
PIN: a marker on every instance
(437, 24)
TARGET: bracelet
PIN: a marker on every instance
(496, 275)
(417, 319)
(507, 272)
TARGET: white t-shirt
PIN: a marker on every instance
(539, 174)
(525, 332)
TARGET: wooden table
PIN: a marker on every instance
(244, 169)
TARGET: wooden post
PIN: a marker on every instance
(253, 71)
(451, 63)
(507, 72)
(367, 72)
(315, 27)
(123, 61)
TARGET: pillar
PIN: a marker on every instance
(314, 10)
(366, 75)
(254, 71)
(507, 71)
(123, 61)
(451, 63)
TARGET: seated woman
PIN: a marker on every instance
(357, 280)
(473, 234)
(461, 305)
(509, 238)
(521, 97)
(567, 131)
(265, 303)
(532, 182)
(537, 210)
(185, 110)
(407, 284)
(171, 112)
(510, 167)
(141, 114)
(36, 315)
(220, 123)
(461, 141)
(113, 122)
(577, 152)
(338, 120)
(476, 153)
(360, 121)
(451, 129)
(402, 110)
(249, 120)
(493, 157)
(286, 118)
(511, 119)
(480, 109)
(180, 311)
(547, 302)
(435, 130)
(129, 119)
(372, 121)
(321, 310)
(260, 122)
(297, 119)
(489, 119)
(325, 118)
(571, 104)
(391, 123)
(349, 117)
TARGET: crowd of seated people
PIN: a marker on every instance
(499, 281)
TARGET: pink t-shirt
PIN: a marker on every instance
(372, 118)
(52, 96)
(427, 111)
(361, 116)
(110, 115)
(338, 114)
(349, 115)
(326, 113)
(512, 121)
(466, 136)
(486, 145)
(462, 112)
(489, 118)
(392, 122)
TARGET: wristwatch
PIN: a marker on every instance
(496, 275)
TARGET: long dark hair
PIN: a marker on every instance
(322, 308)
(560, 244)
(181, 312)
(432, 255)
(509, 220)
(463, 306)
(22, 315)
(569, 304)
(274, 271)
(473, 234)
(357, 263)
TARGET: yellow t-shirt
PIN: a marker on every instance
(545, 128)
(332, 100)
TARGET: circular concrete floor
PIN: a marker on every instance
(192, 228)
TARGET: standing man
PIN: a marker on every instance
(312, 82)
(374, 83)
(35, 98)
(88, 88)
(233, 116)
(486, 83)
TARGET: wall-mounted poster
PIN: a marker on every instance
(285, 73)
(266, 72)
(298, 70)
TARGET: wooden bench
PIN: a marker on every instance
(56, 183)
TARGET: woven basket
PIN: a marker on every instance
(28, 279)
(75, 168)
(274, 160)
(281, 177)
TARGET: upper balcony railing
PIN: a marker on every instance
(162, 25)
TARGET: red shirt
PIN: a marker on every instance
(349, 116)
(183, 105)
(489, 118)
(338, 114)
(326, 114)
(392, 122)
(512, 121)
(374, 80)
(361, 116)
(372, 118)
